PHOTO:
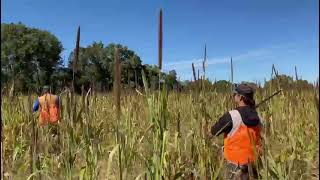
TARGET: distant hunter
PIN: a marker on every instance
(48, 105)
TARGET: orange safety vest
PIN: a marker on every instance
(242, 144)
(49, 111)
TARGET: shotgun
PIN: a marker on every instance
(268, 98)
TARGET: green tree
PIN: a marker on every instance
(28, 56)
(95, 67)
(92, 67)
(222, 86)
(284, 81)
(171, 79)
(61, 78)
(152, 75)
(303, 84)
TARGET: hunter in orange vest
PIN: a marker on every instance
(241, 128)
(48, 105)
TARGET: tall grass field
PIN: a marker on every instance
(157, 135)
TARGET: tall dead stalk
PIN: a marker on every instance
(160, 41)
(274, 71)
(194, 73)
(296, 73)
(160, 47)
(204, 66)
(117, 95)
(76, 57)
(117, 82)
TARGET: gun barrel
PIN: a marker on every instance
(268, 98)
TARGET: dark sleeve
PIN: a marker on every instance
(58, 101)
(224, 125)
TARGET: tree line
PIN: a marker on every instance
(31, 58)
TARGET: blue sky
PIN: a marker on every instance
(255, 33)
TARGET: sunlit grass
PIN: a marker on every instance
(161, 137)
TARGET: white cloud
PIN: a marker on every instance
(252, 55)
(183, 68)
(186, 64)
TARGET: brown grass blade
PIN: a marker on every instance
(296, 73)
(204, 59)
(117, 81)
(274, 70)
(160, 40)
(231, 69)
(194, 73)
(76, 57)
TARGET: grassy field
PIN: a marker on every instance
(156, 136)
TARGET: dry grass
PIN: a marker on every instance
(160, 137)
